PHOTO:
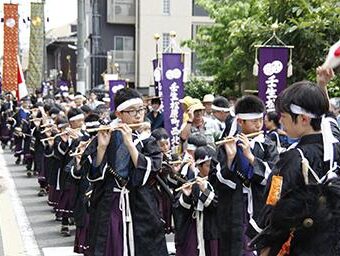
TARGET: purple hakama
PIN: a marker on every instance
(53, 196)
(81, 241)
(114, 243)
(190, 247)
(6, 134)
(39, 161)
(245, 238)
(66, 202)
(165, 209)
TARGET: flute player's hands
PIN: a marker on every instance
(104, 138)
(187, 190)
(230, 148)
(64, 137)
(126, 132)
(245, 145)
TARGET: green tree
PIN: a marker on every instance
(197, 88)
(226, 48)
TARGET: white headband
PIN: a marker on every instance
(129, 103)
(92, 124)
(301, 111)
(77, 117)
(216, 108)
(191, 147)
(249, 116)
(62, 125)
(163, 139)
(78, 96)
(199, 161)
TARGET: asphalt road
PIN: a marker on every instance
(41, 219)
(27, 225)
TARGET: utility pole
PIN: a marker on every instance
(80, 47)
(96, 44)
(44, 68)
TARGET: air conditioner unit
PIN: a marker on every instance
(122, 9)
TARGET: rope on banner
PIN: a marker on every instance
(274, 28)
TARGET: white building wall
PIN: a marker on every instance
(152, 20)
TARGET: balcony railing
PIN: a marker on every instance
(126, 62)
(121, 11)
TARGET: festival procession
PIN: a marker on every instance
(173, 127)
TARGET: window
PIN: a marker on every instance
(166, 41)
(195, 61)
(166, 7)
(73, 28)
(123, 43)
(197, 10)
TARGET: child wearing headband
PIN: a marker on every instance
(123, 167)
(304, 108)
(245, 166)
(195, 212)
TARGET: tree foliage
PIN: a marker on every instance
(226, 48)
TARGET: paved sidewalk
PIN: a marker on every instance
(1, 246)
(13, 221)
(24, 217)
(27, 225)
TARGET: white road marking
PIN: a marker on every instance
(14, 222)
(57, 251)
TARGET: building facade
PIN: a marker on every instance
(124, 31)
(61, 57)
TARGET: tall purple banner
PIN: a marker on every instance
(173, 90)
(114, 86)
(272, 74)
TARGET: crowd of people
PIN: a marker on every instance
(244, 182)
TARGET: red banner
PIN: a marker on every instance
(10, 65)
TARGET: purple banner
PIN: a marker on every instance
(63, 86)
(114, 86)
(173, 90)
(272, 74)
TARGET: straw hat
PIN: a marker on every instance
(208, 98)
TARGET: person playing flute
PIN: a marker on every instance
(196, 211)
(67, 143)
(304, 109)
(78, 172)
(122, 164)
(245, 166)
